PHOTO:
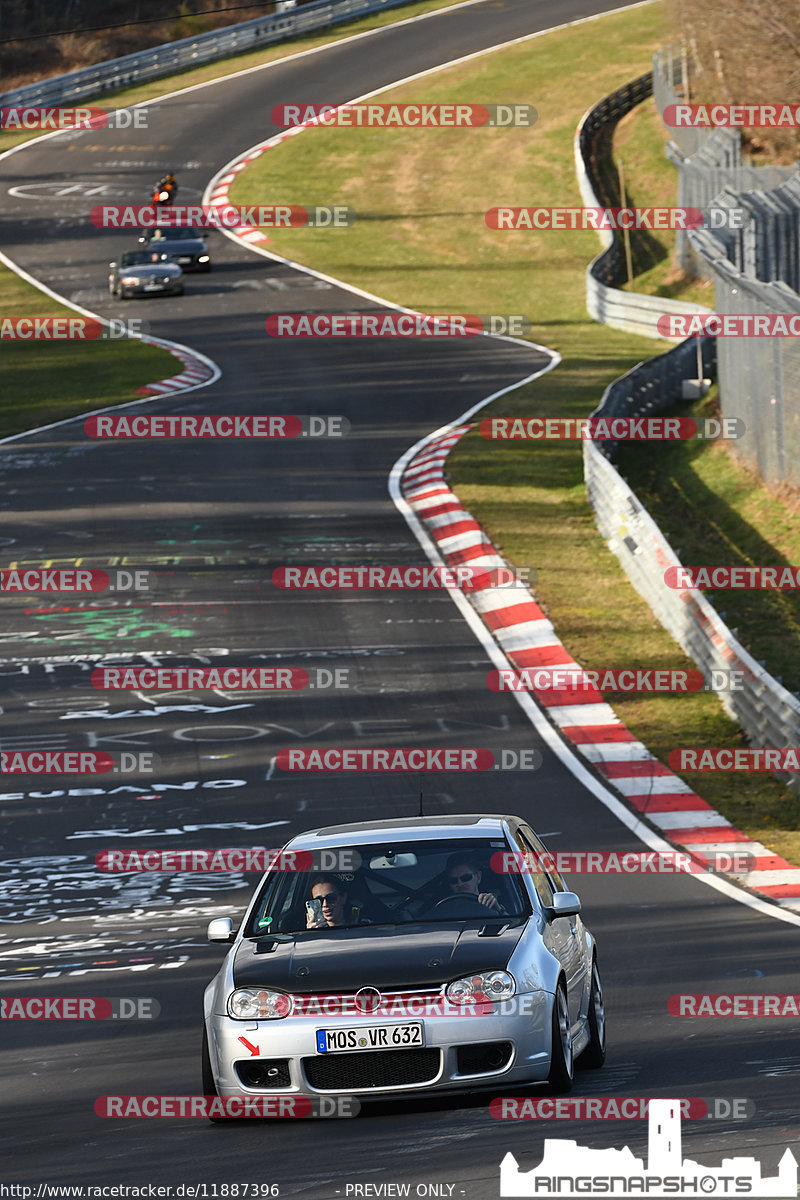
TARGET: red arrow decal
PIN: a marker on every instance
(253, 1049)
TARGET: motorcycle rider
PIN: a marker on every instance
(165, 190)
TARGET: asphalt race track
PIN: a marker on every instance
(214, 520)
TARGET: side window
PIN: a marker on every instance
(544, 889)
(556, 880)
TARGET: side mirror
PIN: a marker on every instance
(565, 904)
(221, 930)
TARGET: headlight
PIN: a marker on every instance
(203, 258)
(258, 1004)
(129, 280)
(489, 985)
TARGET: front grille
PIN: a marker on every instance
(265, 1073)
(381, 1068)
(483, 1057)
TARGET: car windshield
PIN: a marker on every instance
(174, 235)
(385, 884)
(135, 258)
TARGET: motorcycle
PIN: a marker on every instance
(164, 193)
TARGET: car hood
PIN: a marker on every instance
(388, 957)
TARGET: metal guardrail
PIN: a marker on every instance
(759, 377)
(159, 61)
(709, 161)
(633, 312)
(768, 712)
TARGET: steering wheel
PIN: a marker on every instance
(464, 898)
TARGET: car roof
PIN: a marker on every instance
(469, 825)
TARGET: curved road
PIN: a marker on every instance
(215, 519)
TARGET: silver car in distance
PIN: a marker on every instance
(411, 955)
(144, 273)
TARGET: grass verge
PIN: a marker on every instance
(420, 240)
(46, 381)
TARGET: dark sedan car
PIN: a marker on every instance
(186, 247)
(145, 273)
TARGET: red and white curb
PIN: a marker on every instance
(195, 371)
(528, 640)
(217, 192)
(218, 195)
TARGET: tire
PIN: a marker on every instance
(179, 292)
(595, 1053)
(209, 1085)
(562, 1066)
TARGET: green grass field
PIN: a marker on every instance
(45, 381)
(421, 240)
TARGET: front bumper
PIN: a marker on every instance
(459, 1053)
(162, 289)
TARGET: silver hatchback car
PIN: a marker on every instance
(432, 954)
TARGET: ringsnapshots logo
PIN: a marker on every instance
(610, 429)
(70, 329)
(747, 325)
(257, 428)
(77, 762)
(601, 220)
(20, 118)
(70, 581)
(561, 684)
(79, 1008)
(260, 1107)
(250, 860)
(568, 1169)
(222, 679)
(407, 758)
(223, 216)
(414, 325)
(368, 577)
(405, 116)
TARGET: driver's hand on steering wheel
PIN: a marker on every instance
(488, 899)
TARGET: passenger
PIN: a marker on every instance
(335, 909)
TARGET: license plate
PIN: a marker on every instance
(184, 260)
(369, 1037)
(153, 287)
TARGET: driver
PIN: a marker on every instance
(464, 878)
